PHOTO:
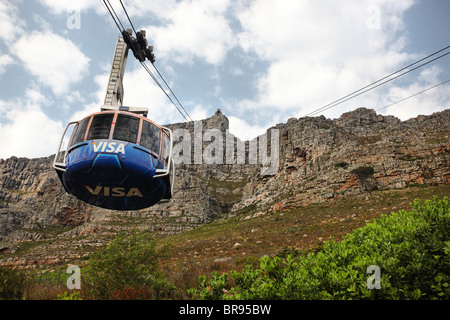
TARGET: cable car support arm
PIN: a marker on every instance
(114, 92)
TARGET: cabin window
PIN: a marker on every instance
(166, 149)
(79, 132)
(127, 128)
(150, 136)
(100, 126)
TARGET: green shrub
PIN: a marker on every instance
(66, 296)
(411, 249)
(364, 172)
(364, 175)
(130, 261)
(342, 164)
(12, 284)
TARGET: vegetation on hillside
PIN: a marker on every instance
(12, 284)
(410, 249)
(127, 268)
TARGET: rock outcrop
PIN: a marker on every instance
(361, 151)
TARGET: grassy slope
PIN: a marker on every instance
(239, 240)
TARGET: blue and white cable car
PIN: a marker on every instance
(117, 158)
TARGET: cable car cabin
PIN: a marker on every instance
(116, 160)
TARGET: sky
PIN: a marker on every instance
(260, 61)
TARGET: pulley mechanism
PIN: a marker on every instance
(139, 46)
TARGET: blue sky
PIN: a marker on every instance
(260, 61)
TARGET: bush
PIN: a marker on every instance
(364, 175)
(128, 264)
(12, 284)
(342, 164)
(411, 249)
(364, 172)
(66, 296)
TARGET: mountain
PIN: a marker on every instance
(295, 164)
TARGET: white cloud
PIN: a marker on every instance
(5, 60)
(194, 29)
(243, 130)
(57, 62)
(426, 103)
(141, 8)
(42, 23)
(25, 129)
(320, 51)
(69, 6)
(140, 91)
(199, 113)
(99, 97)
(35, 97)
(10, 24)
(236, 71)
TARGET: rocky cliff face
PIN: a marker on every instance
(319, 159)
(361, 151)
